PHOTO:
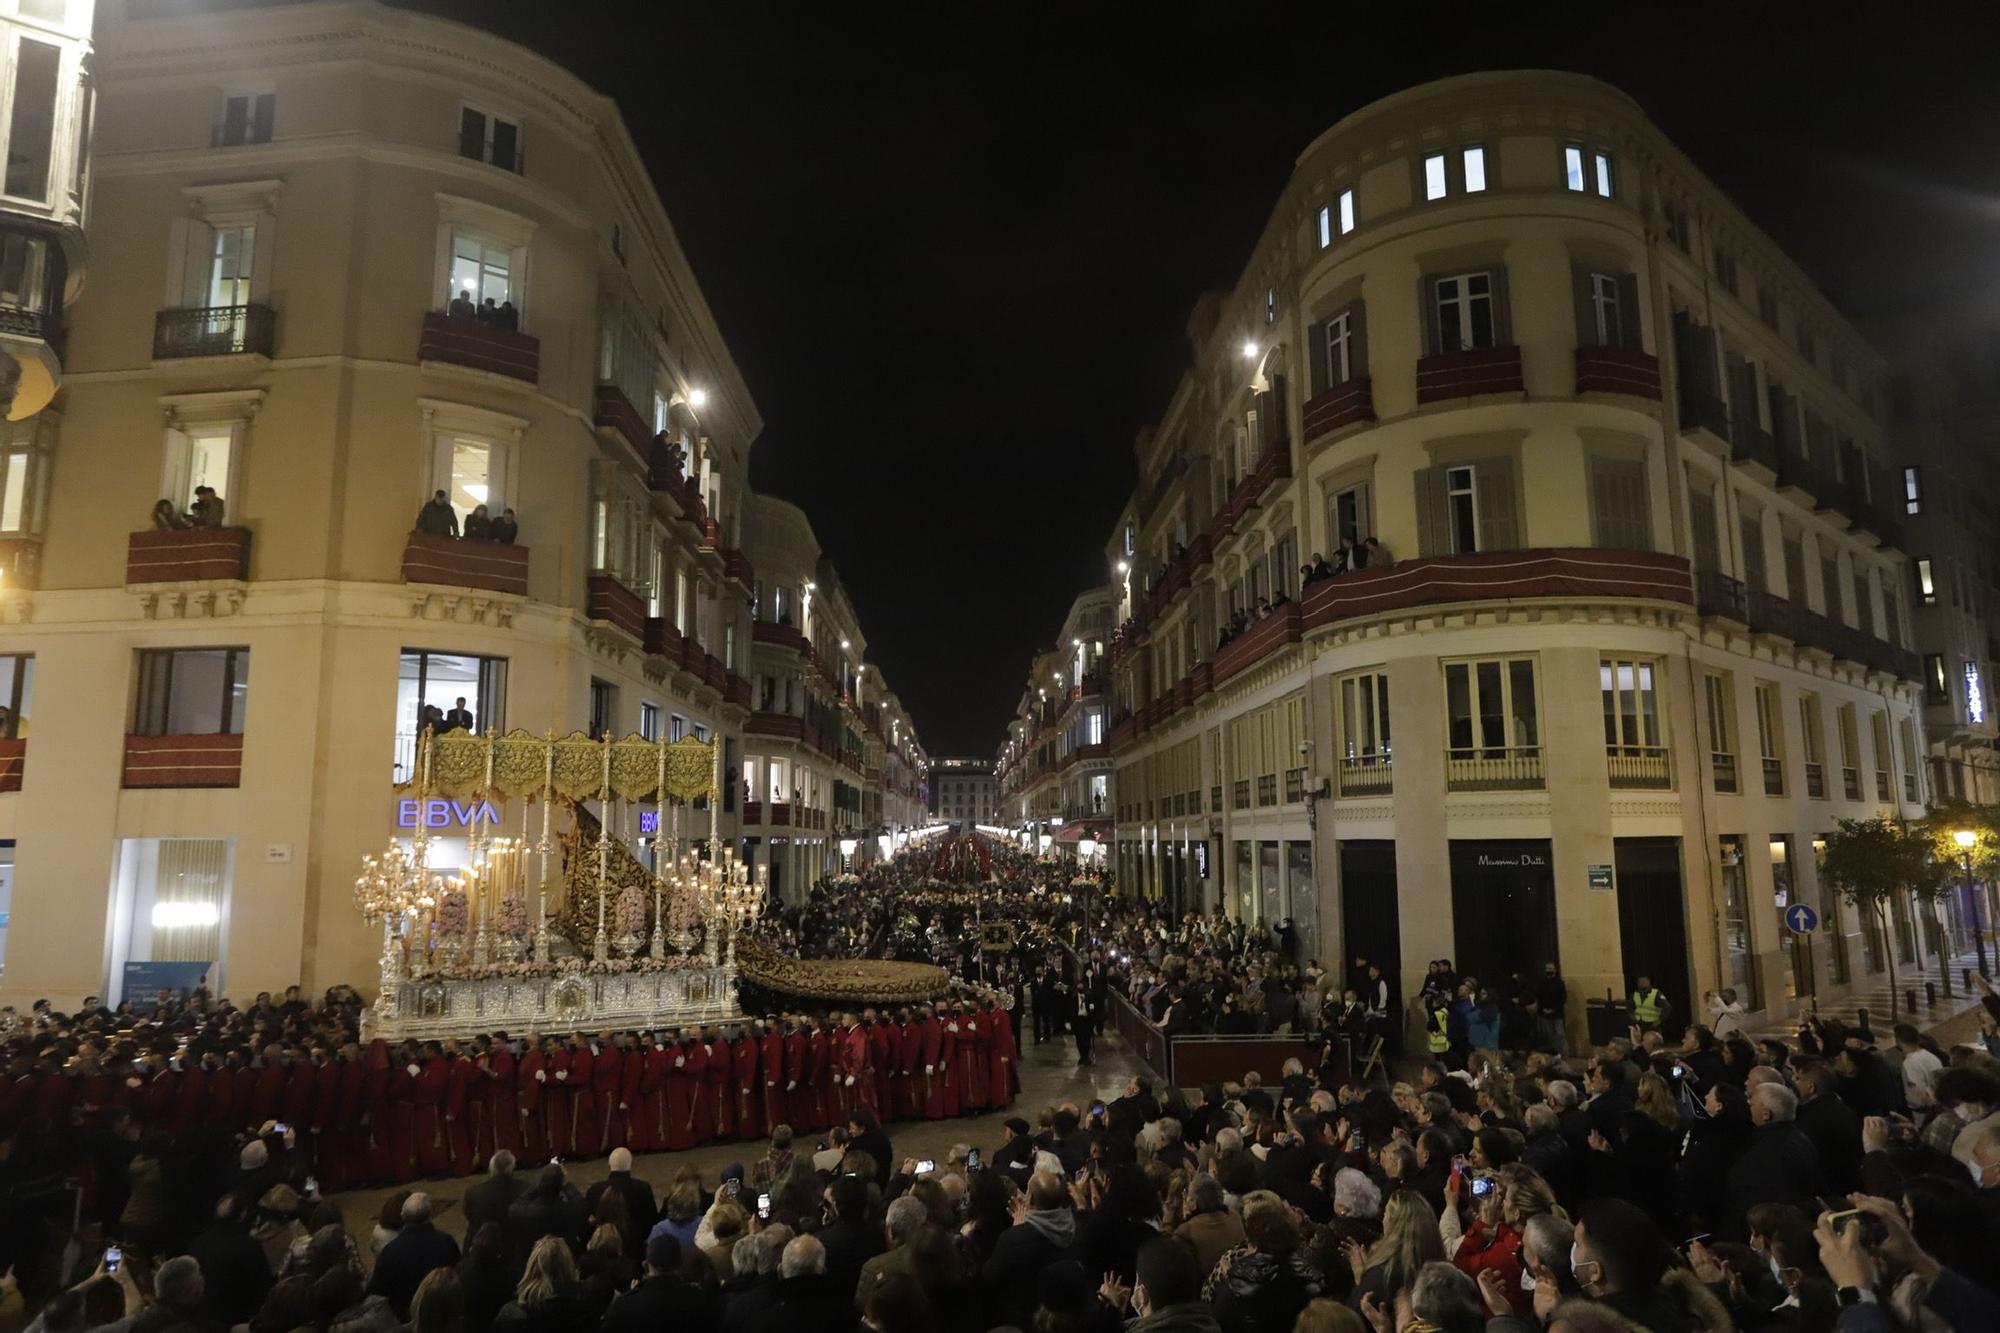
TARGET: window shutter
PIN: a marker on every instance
(1701, 519)
(262, 117)
(1630, 330)
(1427, 302)
(506, 141)
(1499, 529)
(1503, 323)
(1586, 311)
(234, 110)
(1316, 358)
(1357, 339)
(1260, 403)
(197, 261)
(1619, 516)
(1279, 403)
(1364, 514)
(472, 135)
(1433, 527)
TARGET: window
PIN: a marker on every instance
(1770, 738)
(24, 272)
(1937, 689)
(1907, 732)
(1767, 304)
(1462, 509)
(1620, 517)
(24, 457)
(1364, 720)
(1725, 269)
(198, 454)
(1811, 746)
(1574, 177)
(246, 119)
(1604, 309)
(1601, 166)
(1913, 491)
(603, 707)
(1736, 941)
(1325, 226)
(1346, 211)
(17, 694)
(487, 138)
(1340, 348)
(1679, 233)
(1347, 515)
(192, 691)
(1463, 308)
(1270, 305)
(1434, 176)
(1474, 159)
(480, 269)
(649, 720)
(32, 123)
(1607, 309)
(1720, 710)
(232, 252)
(1492, 727)
(467, 692)
(1587, 171)
(1632, 736)
(677, 727)
(1878, 728)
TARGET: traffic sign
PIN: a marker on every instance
(1801, 918)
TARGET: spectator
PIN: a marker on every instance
(640, 1211)
(808, 1297)
(551, 1208)
(478, 525)
(1263, 1284)
(1779, 1167)
(548, 1299)
(179, 1301)
(207, 509)
(1208, 1227)
(487, 1275)
(899, 1227)
(1920, 1068)
(461, 306)
(1043, 1233)
(488, 1201)
(235, 1273)
(418, 1248)
(437, 517)
(506, 528)
(1621, 1260)
(166, 518)
(1409, 1241)
(439, 1305)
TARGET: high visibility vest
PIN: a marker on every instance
(1440, 1039)
(1646, 1006)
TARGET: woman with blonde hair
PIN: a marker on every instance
(1328, 1316)
(547, 1299)
(1409, 1241)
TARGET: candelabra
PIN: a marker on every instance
(390, 888)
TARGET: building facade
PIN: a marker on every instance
(1054, 767)
(1632, 628)
(964, 792)
(355, 258)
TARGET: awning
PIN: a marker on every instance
(1076, 830)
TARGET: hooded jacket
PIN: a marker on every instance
(1044, 1236)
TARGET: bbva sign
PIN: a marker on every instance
(445, 814)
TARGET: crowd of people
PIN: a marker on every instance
(438, 519)
(500, 315)
(207, 511)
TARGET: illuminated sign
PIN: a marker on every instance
(446, 814)
(649, 823)
(1975, 698)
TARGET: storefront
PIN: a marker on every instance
(1503, 908)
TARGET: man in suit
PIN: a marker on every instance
(460, 717)
(408, 1259)
(640, 1213)
(489, 1200)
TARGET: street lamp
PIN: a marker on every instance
(1967, 840)
(847, 846)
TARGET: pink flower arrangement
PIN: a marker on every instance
(453, 913)
(629, 913)
(510, 917)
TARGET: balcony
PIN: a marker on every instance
(1639, 767)
(1722, 766)
(614, 412)
(1775, 615)
(1367, 775)
(737, 568)
(458, 562)
(1705, 414)
(1273, 466)
(184, 761)
(1346, 404)
(1485, 370)
(1752, 446)
(736, 691)
(13, 759)
(1620, 370)
(1719, 595)
(1493, 576)
(781, 725)
(780, 813)
(662, 639)
(1494, 768)
(616, 605)
(187, 555)
(217, 330)
(482, 347)
(753, 812)
(777, 636)
(1258, 640)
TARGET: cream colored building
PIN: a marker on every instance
(1054, 767)
(1646, 634)
(289, 200)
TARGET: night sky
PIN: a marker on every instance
(954, 257)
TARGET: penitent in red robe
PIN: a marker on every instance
(948, 1066)
(771, 1068)
(910, 1086)
(701, 1119)
(529, 1099)
(885, 1046)
(556, 1098)
(585, 1131)
(748, 1091)
(798, 1081)
(720, 1097)
(1003, 1079)
(682, 1094)
(433, 1086)
(607, 1085)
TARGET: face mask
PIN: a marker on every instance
(1777, 1271)
(1576, 1268)
(1527, 1279)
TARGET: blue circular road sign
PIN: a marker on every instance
(1801, 919)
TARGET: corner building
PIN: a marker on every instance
(1645, 636)
(292, 197)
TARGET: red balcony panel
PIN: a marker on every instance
(694, 659)
(753, 812)
(467, 342)
(780, 636)
(1184, 692)
(186, 555)
(711, 533)
(1201, 551)
(692, 508)
(713, 672)
(1124, 733)
(1258, 641)
(1618, 370)
(1342, 405)
(13, 758)
(663, 474)
(615, 412)
(616, 605)
(737, 566)
(1274, 467)
(1203, 677)
(1466, 374)
(662, 639)
(183, 761)
(1499, 576)
(459, 563)
(1224, 523)
(782, 725)
(781, 812)
(737, 691)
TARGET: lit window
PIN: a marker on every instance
(480, 270)
(1325, 227)
(1913, 491)
(1603, 163)
(1573, 168)
(1346, 211)
(1434, 179)
(1604, 308)
(229, 263)
(1340, 348)
(1462, 509)
(1270, 305)
(192, 691)
(1926, 585)
(1475, 169)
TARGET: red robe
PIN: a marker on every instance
(971, 1061)
(701, 1117)
(607, 1089)
(1003, 1078)
(720, 1097)
(749, 1095)
(649, 1113)
(267, 1102)
(458, 1111)
(505, 1098)
(190, 1099)
(885, 1047)
(155, 1101)
(858, 1064)
(826, 1075)
(322, 1134)
(682, 1094)
(771, 1061)
(932, 1069)
(402, 1094)
(529, 1100)
(910, 1087)
(586, 1133)
(377, 1109)
(246, 1079)
(632, 1131)
(433, 1084)
(556, 1098)
(954, 1088)
(798, 1081)
(301, 1089)
(344, 1150)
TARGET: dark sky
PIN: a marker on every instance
(954, 258)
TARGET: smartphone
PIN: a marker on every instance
(312, 1184)
(281, 1127)
(763, 1207)
(733, 1185)
(1481, 1185)
(926, 1165)
(972, 1161)
(1458, 1163)
(1873, 1230)
(555, 1161)
(112, 1258)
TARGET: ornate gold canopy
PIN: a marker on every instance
(572, 766)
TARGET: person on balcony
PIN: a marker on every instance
(489, 313)
(506, 528)
(166, 518)
(507, 317)
(206, 511)
(437, 517)
(460, 717)
(478, 525)
(461, 306)
(1377, 554)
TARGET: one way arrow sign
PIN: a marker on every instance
(1801, 918)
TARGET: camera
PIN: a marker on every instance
(926, 1165)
